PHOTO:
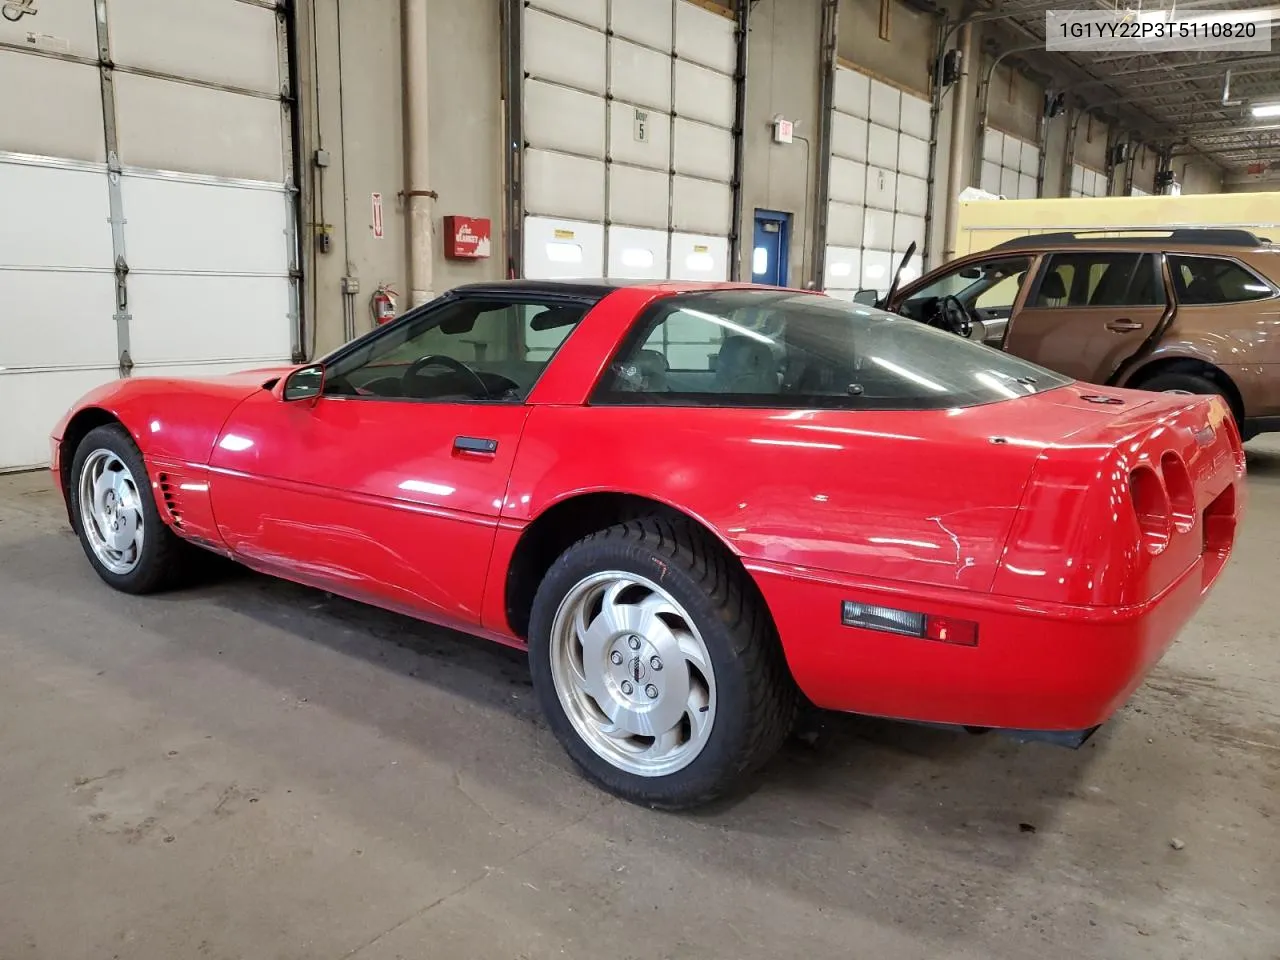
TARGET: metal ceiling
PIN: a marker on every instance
(1172, 98)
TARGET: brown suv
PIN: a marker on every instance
(1194, 310)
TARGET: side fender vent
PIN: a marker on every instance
(169, 494)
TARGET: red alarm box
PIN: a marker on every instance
(467, 238)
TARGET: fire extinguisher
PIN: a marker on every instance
(383, 304)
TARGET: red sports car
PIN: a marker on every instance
(693, 505)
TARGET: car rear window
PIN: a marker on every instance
(1209, 280)
(769, 348)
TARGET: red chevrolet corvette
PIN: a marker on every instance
(693, 505)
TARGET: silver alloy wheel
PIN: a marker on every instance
(111, 511)
(633, 674)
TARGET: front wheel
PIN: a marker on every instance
(115, 515)
(657, 665)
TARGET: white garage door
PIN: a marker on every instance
(1010, 166)
(878, 188)
(149, 225)
(628, 129)
(1087, 182)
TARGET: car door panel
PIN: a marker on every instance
(1060, 329)
(391, 501)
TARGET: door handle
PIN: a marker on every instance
(475, 445)
(1124, 326)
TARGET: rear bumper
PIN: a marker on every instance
(1036, 666)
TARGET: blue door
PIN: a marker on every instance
(771, 247)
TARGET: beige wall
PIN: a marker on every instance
(352, 105)
(903, 59)
(1197, 176)
(783, 56)
(1015, 102)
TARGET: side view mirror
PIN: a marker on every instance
(867, 298)
(971, 273)
(305, 383)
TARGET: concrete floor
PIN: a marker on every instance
(250, 769)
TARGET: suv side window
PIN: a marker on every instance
(1099, 280)
(1210, 280)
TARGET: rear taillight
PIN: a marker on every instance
(1151, 505)
(1237, 445)
(870, 616)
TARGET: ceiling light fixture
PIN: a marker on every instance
(1262, 111)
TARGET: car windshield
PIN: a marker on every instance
(767, 348)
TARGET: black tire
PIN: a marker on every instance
(755, 694)
(1182, 383)
(164, 556)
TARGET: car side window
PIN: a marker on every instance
(1212, 280)
(1099, 280)
(469, 349)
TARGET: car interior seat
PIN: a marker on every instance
(1052, 291)
(745, 365)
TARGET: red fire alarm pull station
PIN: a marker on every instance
(467, 238)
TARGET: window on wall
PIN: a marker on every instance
(1087, 182)
(1010, 166)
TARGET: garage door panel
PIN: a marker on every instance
(703, 94)
(560, 249)
(993, 146)
(885, 104)
(50, 107)
(705, 37)
(848, 180)
(166, 125)
(78, 330)
(181, 318)
(702, 150)
(843, 268)
(849, 136)
(877, 270)
(654, 152)
(915, 117)
(558, 185)
(33, 403)
(908, 230)
(913, 195)
(913, 155)
(845, 223)
(640, 75)
(877, 229)
(1030, 162)
(569, 53)
(882, 186)
(699, 257)
(1026, 187)
(637, 254)
(1011, 153)
(54, 217)
(853, 93)
(229, 43)
(648, 21)
(1077, 177)
(546, 105)
(990, 181)
(214, 228)
(638, 197)
(1009, 182)
(700, 206)
(882, 146)
(585, 11)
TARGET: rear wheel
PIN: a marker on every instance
(115, 515)
(657, 665)
(1187, 383)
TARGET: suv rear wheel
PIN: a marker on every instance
(1181, 383)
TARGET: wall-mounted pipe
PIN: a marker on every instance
(962, 103)
(741, 17)
(418, 197)
(512, 137)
